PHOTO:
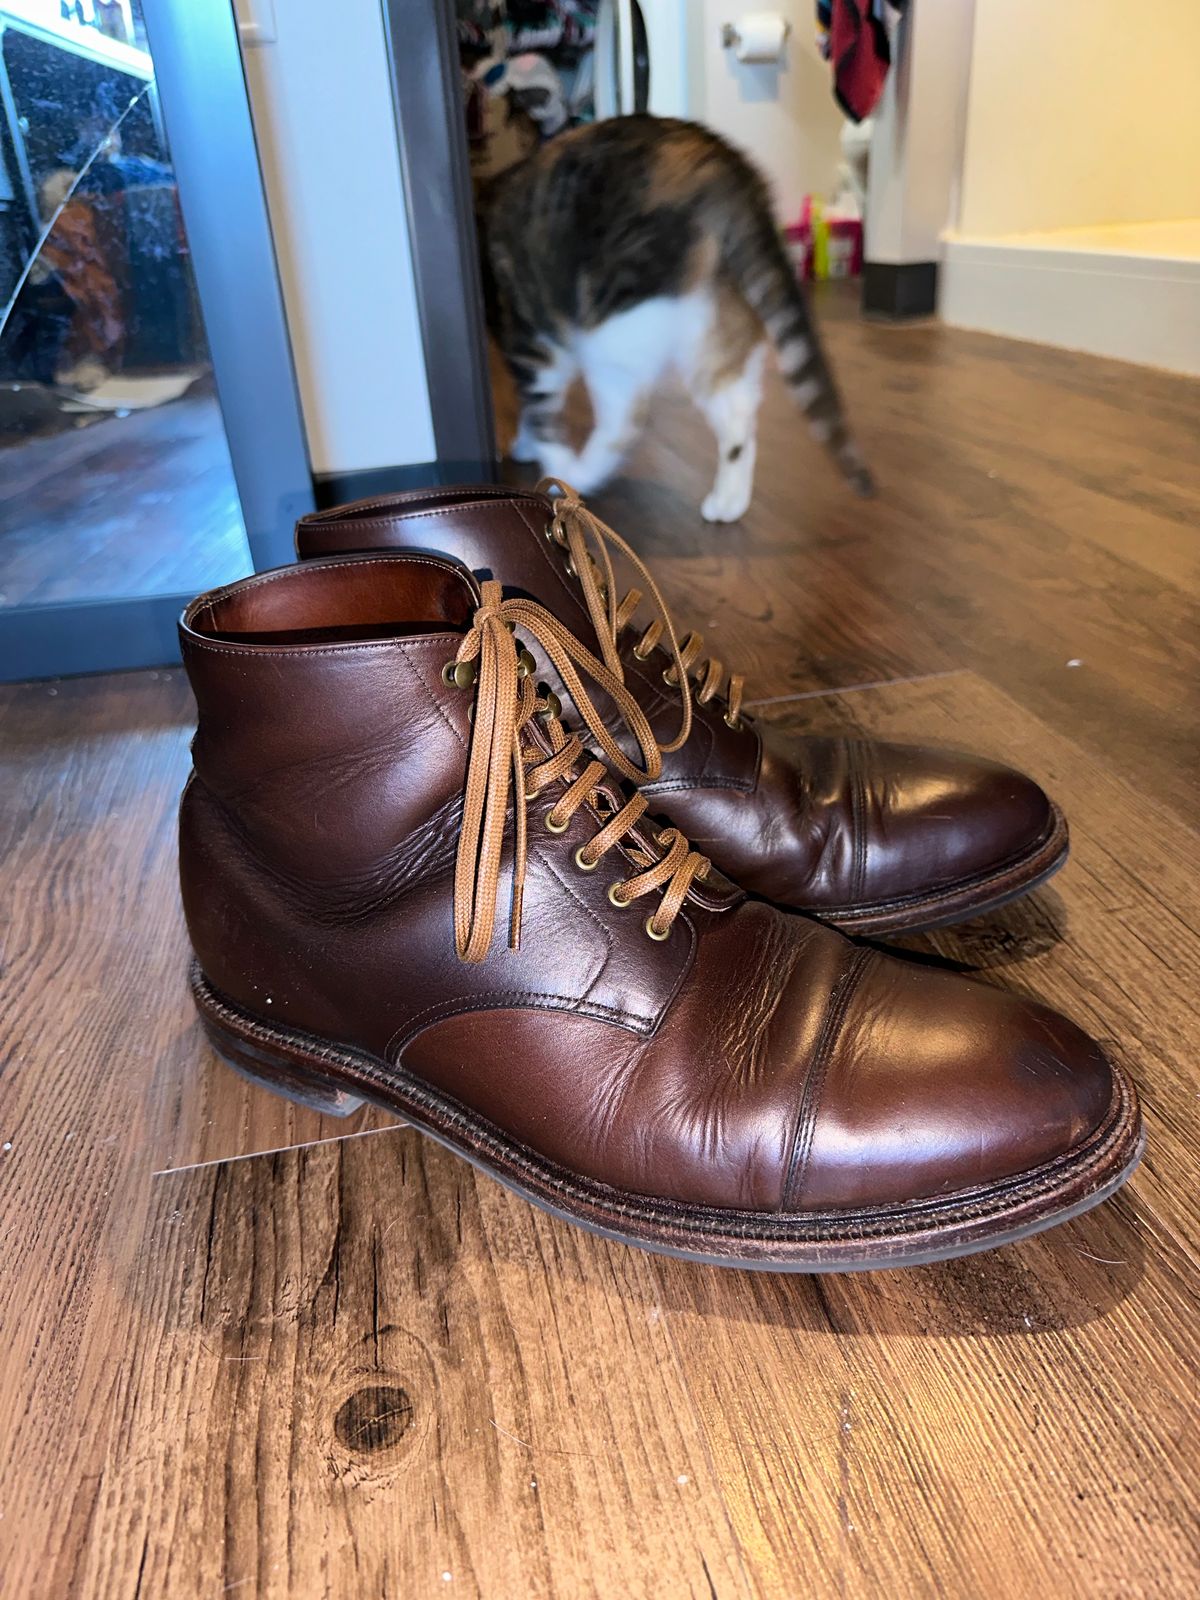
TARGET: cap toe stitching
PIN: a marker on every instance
(831, 1028)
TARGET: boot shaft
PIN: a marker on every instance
(319, 832)
(324, 725)
(503, 532)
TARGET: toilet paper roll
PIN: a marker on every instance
(760, 36)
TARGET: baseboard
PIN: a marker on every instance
(1123, 304)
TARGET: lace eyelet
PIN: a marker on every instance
(669, 678)
(459, 674)
(735, 723)
(582, 863)
(556, 827)
(616, 898)
(648, 925)
(640, 653)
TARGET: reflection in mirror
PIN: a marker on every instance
(115, 478)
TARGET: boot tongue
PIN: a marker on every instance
(581, 531)
(504, 703)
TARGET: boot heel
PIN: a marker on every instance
(280, 1073)
(278, 1061)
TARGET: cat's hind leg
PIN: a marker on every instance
(725, 377)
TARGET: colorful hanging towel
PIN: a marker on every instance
(853, 35)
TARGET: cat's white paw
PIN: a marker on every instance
(725, 503)
(587, 480)
(524, 447)
(586, 473)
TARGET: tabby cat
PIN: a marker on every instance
(632, 246)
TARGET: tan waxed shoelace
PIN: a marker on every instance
(500, 765)
(574, 526)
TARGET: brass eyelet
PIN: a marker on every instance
(458, 674)
(669, 678)
(616, 898)
(735, 723)
(658, 937)
(583, 864)
(553, 706)
(526, 664)
(640, 653)
(556, 827)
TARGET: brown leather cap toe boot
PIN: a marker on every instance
(873, 838)
(378, 782)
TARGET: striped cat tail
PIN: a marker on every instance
(763, 272)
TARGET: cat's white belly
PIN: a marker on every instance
(642, 344)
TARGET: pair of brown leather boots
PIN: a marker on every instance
(667, 1040)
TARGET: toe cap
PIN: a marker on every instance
(936, 1084)
(933, 818)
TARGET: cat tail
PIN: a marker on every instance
(768, 282)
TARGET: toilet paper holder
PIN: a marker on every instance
(731, 37)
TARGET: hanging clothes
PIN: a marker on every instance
(853, 36)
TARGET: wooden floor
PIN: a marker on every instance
(139, 504)
(246, 1354)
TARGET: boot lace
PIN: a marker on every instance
(504, 765)
(588, 542)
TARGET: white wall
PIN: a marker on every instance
(785, 117)
(321, 99)
(1081, 112)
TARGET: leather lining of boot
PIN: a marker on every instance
(341, 602)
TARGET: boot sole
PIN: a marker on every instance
(975, 897)
(338, 1079)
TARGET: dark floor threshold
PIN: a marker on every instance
(80, 636)
(339, 488)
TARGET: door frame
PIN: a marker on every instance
(206, 112)
(436, 169)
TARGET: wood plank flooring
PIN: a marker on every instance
(245, 1354)
(1037, 508)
